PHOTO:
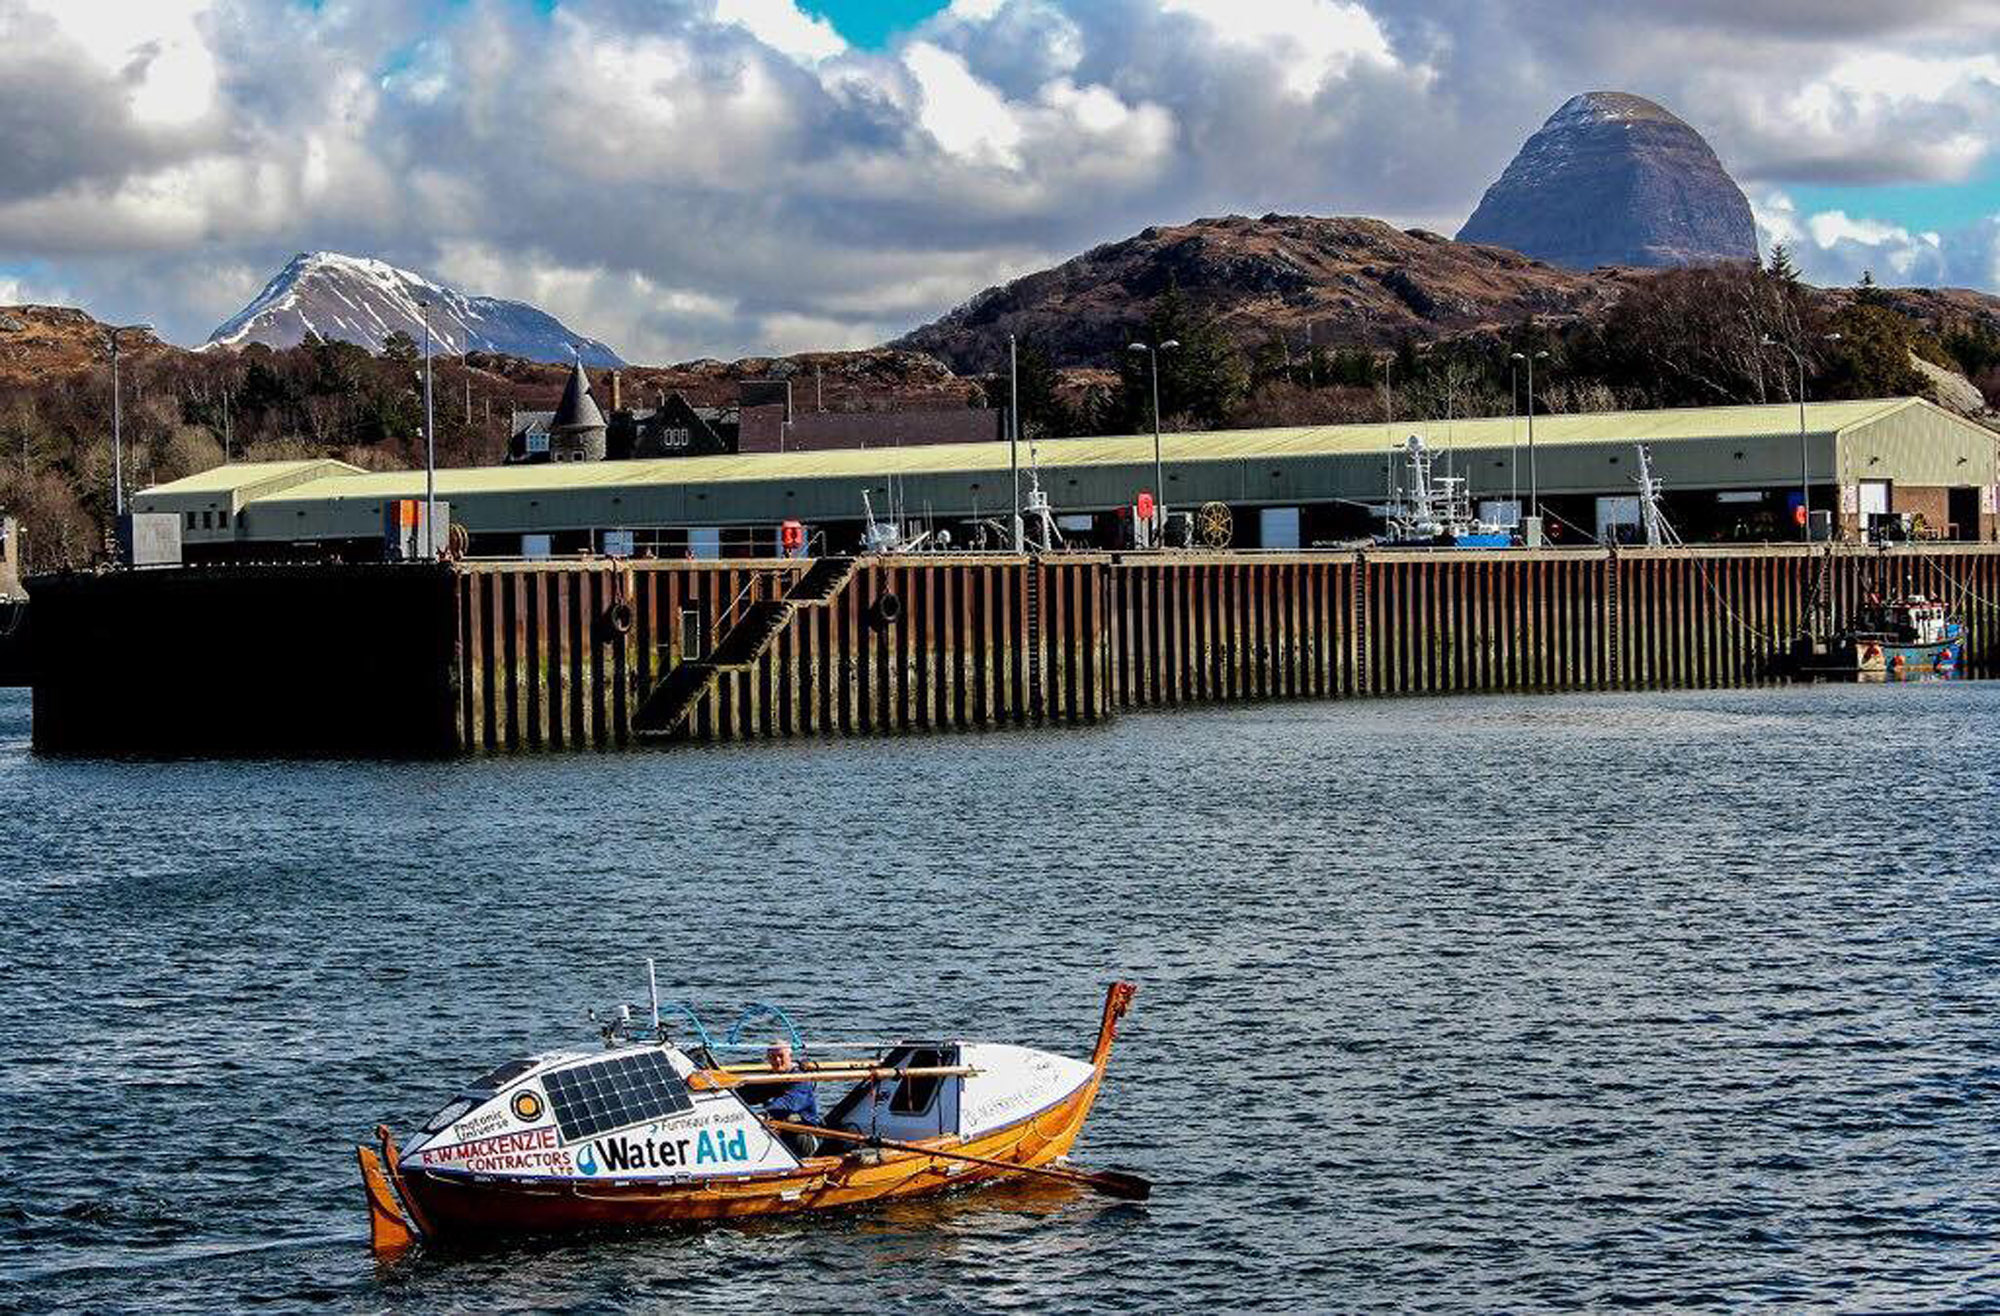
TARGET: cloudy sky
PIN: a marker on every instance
(720, 177)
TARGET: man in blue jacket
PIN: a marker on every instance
(794, 1102)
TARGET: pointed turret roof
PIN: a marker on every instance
(577, 410)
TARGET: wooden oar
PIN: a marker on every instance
(1129, 1187)
(714, 1080)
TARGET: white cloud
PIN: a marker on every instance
(964, 115)
(155, 49)
(729, 176)
(781, 25)
(1309, 41)
(1834, 247)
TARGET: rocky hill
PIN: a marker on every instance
(1613, 179)
(878, 379)
(358, 300)
(1351, 281)
(40, 343)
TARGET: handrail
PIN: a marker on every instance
(687, 1011)
(759, 1009)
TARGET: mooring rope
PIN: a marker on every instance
(1746, 627)
(1964, 588)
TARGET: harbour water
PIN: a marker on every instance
(1563, 1001)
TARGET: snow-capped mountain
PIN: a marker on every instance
(358, 300)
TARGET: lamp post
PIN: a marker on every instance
(1805, 454)
(430, 441)
(1514, 435)
(1159, 466)
(1534, 473)
(1014, 440)
(117, 419)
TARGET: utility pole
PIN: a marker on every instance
(117, 421)
(430, 444)
(1805, 452)
(1159, 466)
(1514, 434)
(1534, 473)
(1014, 439)
(225, 422)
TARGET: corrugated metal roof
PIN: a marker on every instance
(238, 475)
(1667, 426)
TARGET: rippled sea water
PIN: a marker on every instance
(1577, 1001)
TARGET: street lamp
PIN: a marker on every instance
(1159, 467)
(1534, 473)
(1805, 457)
(1514, 433)
(117, 427)
(430, 441)
(1014, 440)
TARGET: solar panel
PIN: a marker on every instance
(612, 1094)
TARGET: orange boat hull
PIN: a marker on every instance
(459, 1208)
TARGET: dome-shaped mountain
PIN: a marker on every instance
(1613, 179)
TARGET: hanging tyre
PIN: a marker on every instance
(884, 611)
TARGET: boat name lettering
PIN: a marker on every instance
(618, 1155)
(1007, 1103)
(527, 1143)
(466, 1130)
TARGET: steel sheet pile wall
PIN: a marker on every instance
(1321, 625)
(518, 655)
(974, 643)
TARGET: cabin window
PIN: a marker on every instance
(208, 520)
(504, 1075)
(222, 519)
(450, 1115)
(917, 1094)
(190, 520)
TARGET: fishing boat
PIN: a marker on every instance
(1906, 637)
(651, 1129)
(1433, 511)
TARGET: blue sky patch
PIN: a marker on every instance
(872, 23)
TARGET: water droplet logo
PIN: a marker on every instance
(586, 1159)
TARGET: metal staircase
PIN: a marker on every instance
(670, 701)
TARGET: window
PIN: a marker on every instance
(208, 520)
(190, 520)
(222, 518)
(502, 1076)
(915, 1095)
(450, 1115)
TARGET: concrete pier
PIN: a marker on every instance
(495, 656)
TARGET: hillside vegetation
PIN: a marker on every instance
(1614, 339)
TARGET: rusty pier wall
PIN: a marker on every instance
(492, 656)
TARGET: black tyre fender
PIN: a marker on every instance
(885, 610)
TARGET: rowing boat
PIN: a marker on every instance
(650, 1131)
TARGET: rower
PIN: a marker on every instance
(797, 1103)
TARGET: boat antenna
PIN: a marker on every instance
(653, 993)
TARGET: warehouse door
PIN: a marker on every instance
(1278, 527)
(1962, 504)
(1874, 503)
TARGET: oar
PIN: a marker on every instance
(714, 1080)
(1129, 1187)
